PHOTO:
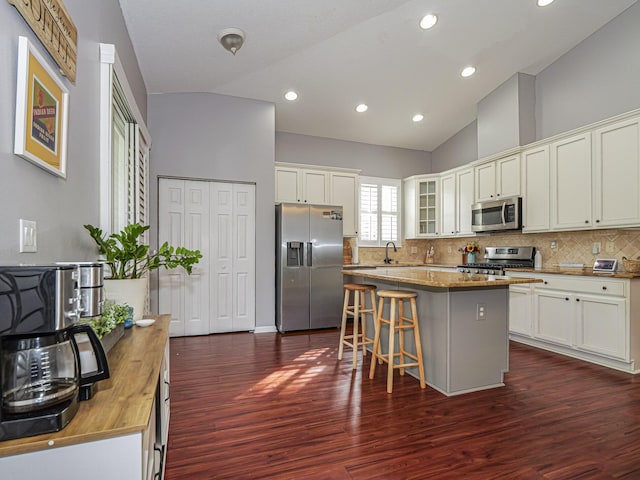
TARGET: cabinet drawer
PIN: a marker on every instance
(583, 285)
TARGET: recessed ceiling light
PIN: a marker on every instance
(418, 117)
(468, 71)
(544, 3)
(291, 95)
(428, 21)
(362, 107)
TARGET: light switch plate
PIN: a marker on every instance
(28, 236)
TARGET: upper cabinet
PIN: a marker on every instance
(497, 179)
(616, 174)
(323, 186)
(422, 206)
(344, 191)
(571, 183)
(535, 189)
(302, 185)
(457, 187)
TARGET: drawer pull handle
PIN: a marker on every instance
(566, 298)
(577, 299)
(604, 287)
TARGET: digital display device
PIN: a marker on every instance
(605, 265)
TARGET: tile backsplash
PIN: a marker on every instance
(571, 247)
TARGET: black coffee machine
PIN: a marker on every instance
(40, 373)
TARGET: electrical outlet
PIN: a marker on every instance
(597, 246)
(414, 250)
(28, 236)
(481, 311)
(611, 246)
(448, 249)
(554, 244)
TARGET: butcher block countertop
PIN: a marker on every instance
(437, 279)
(122, 403)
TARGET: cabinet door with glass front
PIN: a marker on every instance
(428, 215)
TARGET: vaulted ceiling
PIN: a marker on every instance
(338, 53)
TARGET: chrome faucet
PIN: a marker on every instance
(386, 252)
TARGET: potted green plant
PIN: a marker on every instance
(110, 325)
(129, 259)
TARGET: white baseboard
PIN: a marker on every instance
(265, 329)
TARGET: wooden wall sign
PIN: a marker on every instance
(51, 22)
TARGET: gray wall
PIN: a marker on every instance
(209, 136)
(60, 207)
(460, 149)
(373, 160)
(506, 116)
(598, 79)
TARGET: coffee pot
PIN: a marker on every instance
(41, 379)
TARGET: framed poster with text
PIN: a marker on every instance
(42, 111)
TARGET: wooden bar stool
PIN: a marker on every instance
(358, 310)
(397, 323)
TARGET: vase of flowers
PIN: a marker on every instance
(472, 248)
(469, 252)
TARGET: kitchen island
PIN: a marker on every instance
(464, 324)
(120, 432)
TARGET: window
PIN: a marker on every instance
(124, 150)
(379, 211)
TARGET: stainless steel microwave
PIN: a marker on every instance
(497, 215)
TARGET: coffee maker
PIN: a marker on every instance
(40, 372)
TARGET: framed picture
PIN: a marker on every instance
(42, 111)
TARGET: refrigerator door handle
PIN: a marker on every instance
(309, 254)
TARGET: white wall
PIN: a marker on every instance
(209, 136)
(373, 160)
(60, 207)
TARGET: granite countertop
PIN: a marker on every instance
(353, 266)
(584, 272)
(437, 279)
(122, 404)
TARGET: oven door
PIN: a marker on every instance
(497, 215)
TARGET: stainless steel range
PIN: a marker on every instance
(499, 258)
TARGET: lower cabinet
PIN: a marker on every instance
(131, 456)
(584, 317)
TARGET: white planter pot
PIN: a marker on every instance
(132, 291)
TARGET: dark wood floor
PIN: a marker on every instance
(268, 406)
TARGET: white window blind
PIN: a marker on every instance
(125, 146)
(379, 211)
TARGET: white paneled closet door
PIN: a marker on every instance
(184, 221)
(219, 220)
(232, 236)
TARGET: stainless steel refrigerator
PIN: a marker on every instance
(308, 265)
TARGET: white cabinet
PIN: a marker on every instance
(456, 197)
(520, 309)
(497, 179)
(554, 316)
(464, 200)
(288, 185)
(535, 181)
(584, 317)
(602, 325)
(297, 183)
(344, 192)
(302, 185)
(571, 183)
(616, 167)
(422, 206)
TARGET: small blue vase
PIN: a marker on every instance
(471, 257)
(128, 322)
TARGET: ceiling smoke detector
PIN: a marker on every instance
(231, 39)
